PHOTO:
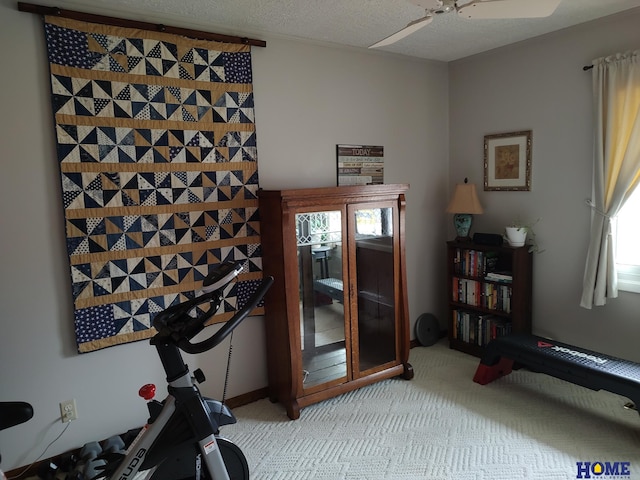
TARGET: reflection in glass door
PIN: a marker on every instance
(322, 314)
(375, 286)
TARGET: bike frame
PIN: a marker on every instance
(180, 438)
(141, 455)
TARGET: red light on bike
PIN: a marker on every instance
(147, 391)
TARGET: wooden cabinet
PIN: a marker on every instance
(337, 315)
(489, 291)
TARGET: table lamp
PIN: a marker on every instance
(464, 204)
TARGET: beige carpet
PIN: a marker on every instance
(442, 425)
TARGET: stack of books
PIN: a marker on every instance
(499, 277)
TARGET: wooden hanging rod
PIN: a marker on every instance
(122, 22)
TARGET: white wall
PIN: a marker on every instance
(308, 99)
(540, 85)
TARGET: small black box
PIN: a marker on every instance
(487, 239)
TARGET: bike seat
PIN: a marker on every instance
(14, 413)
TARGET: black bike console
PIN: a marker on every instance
(573, 364)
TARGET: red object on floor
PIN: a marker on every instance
(486, 374)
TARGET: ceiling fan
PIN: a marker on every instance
(473, 10)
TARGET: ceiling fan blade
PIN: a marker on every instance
(509, 9)
(405, 32)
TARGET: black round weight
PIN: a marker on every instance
(427, 329)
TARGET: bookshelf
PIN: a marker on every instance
(489, 293)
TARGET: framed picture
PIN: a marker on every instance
(360, 164)
(507, 161)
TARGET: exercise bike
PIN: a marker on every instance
(11, 414)
(181, 439)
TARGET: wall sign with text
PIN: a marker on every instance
(360, 165)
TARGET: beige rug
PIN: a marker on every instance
(442, 425)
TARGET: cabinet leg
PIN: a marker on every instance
(293, 410)
(408, 371)
(273, 395)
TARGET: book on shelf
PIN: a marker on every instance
(499, 276)
(475, 293)
(478, 329)
(474, 263)
(490, 261)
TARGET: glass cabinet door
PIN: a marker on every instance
(375, 286)
(322, 311)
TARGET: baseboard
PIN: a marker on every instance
(247, 398)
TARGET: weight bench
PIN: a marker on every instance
(331, 287)
(573, 364)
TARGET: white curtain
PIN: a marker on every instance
(616, 166)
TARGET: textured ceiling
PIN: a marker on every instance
(355, 23)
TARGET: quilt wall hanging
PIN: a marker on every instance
(157, 153)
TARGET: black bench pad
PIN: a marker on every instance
(577, 365)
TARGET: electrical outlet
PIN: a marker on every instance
(68, 410)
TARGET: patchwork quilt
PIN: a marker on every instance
(157, 152)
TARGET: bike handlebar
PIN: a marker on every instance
(186, 346)
(174, 319)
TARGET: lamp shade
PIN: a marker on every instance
(465, 200)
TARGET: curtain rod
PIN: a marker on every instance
(587, 67)
(122, 22)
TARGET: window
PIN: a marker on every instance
(627, 227)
